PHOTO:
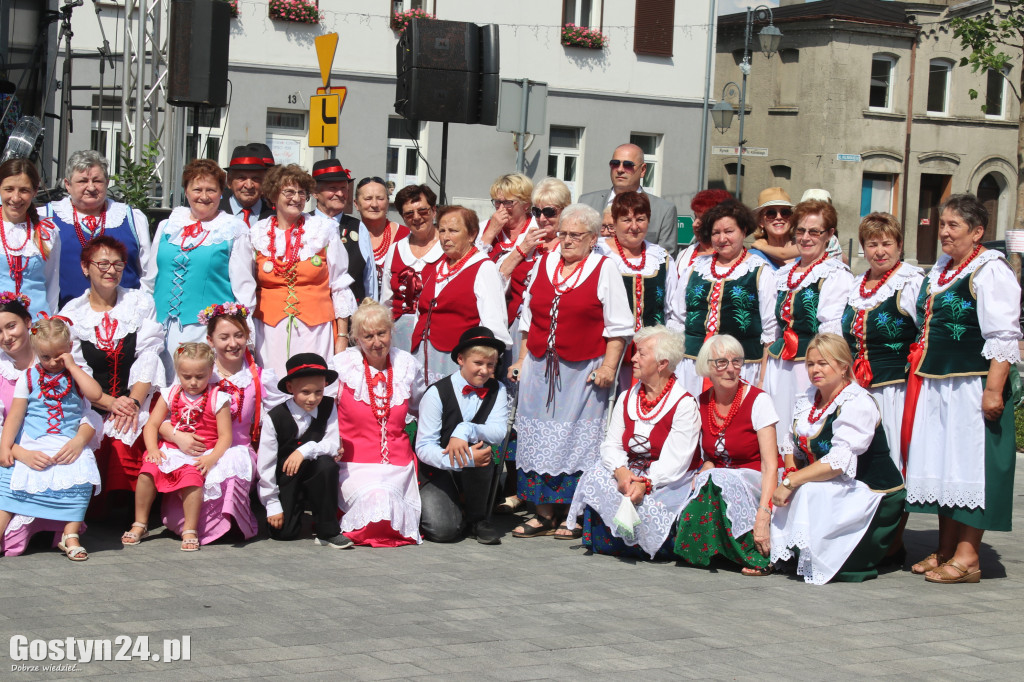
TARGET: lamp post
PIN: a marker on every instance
(769, 37)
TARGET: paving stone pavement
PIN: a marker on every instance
(524, 610)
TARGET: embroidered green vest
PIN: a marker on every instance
(875, 467)
(652, 289)
(888, 333)
(952, 338)
(805, 318)
(740, 315)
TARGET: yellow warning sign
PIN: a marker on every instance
(325, 48)
(324, 112)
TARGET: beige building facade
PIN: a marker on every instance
(868, 100)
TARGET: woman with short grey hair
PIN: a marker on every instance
(87, 212)
(631, 496)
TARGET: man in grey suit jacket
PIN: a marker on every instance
(628, 169)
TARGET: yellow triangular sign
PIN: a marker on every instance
(325, 47)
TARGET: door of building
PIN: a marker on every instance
(934, 190)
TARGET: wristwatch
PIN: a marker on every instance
(788, 484)
(138, 405)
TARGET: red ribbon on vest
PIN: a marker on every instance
(914, 381)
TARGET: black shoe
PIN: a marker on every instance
(486, 534)
(896, 559)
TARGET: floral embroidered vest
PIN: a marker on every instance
(739, 316)
(652, 293)
(952, 337)
(805, 318)
(888, 333)
(875, 467)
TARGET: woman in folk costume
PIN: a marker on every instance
(647, 270)
(303, 299)
(510, 195)
(87, 212)
(118, 340)
(811, 295)
(460, 291)
(575, 324)
(880, 320)
(402, 282)
(376, 233)
(702, 202)
(630, 498)
(958, 428)
(47, 467)
(31, 245)
(839, 504)
(729, 512)
(729, 292)
(253, 391)
(379, 385)
(200, 254)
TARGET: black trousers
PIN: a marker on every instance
(452, 500)
(315, 484)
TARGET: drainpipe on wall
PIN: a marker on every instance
(906, 145)
(702, 167)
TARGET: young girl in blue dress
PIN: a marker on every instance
(48, 468)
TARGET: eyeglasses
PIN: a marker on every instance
(772, 213)
(628, 165)
(571, 236)
(421, 212)
(813, 234)
(507, 203)
(723, 363)
(290, 194)
(104, 265)
(547, 211)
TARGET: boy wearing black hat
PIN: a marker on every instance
(298, 453)
(460, 416)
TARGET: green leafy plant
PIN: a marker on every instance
(134, 183)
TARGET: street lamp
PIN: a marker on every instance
(769, 38)
(723, 111)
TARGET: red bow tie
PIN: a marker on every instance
(480, 392)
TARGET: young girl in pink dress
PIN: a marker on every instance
(253, 390)
(378, 385)
(194, 405)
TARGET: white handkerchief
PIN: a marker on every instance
(626, 520)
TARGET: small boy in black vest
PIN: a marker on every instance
(297, 458)
(460, 416)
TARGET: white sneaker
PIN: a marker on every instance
(339, 541)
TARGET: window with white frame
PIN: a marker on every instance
(939, 72)
(651, 144)
(880, 95)
(211, 132)
(406, 5)
(995, 94)
(105, 133)
(564, 156)
(877, 191)
(403, 161)
(287, 137)
(582, 13)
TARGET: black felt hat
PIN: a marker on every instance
(263, 151)
(306, 365)
(244, 157)
(330, 170)
(477, 336)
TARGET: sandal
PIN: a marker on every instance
(546, 527)
(131, 538)
(934, 556)
(574, 534)
(964, 576)
(189, 544)
(509, 506)
(76, 553)
(755, 572)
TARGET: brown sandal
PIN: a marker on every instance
(964, 576)
(939, 560)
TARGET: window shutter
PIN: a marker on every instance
(653, 31)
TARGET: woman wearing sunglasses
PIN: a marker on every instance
(303, 299)
(116, 336)
(376, 232)
(811, 295)
(772, 239)
(510, 196)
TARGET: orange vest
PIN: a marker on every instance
(304, 293)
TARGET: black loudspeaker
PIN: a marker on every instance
(448, 71)
(197, 67)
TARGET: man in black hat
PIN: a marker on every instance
(460, 416)
(245, 180)
(298, 454)
(333, 194)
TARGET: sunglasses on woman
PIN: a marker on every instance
(772, 213)
(547, 212)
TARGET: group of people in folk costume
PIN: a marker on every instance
(763, 404)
